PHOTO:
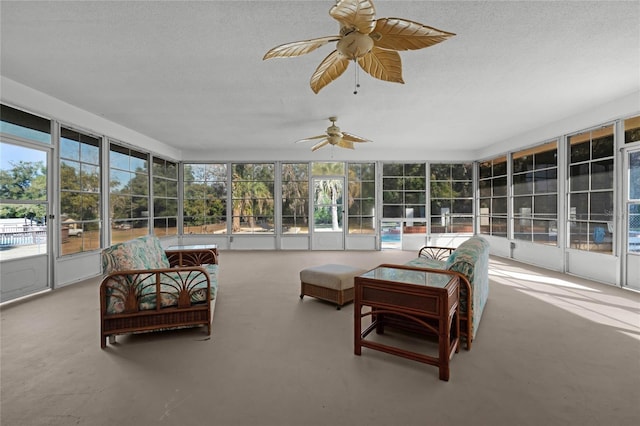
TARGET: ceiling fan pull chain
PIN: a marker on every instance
(357, 78)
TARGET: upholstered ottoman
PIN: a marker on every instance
(333, 283)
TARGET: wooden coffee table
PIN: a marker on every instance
(413, 299)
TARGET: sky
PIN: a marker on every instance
(14, 153)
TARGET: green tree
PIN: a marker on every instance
(294, 189)
(251, 195)
(131, 201)
(24, 181)
(205, 194)
(79, 199)
(329, 191)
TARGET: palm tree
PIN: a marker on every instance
(329, 191)
(251, 195)
(295, 182)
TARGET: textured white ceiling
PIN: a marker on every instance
(191, 74)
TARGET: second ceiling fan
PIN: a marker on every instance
(334, 137)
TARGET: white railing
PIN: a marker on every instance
(23, 237)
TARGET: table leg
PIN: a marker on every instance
(444, 346)
(357, 328)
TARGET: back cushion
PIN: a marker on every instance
(150, 253)
(466, 256)
(140, 253)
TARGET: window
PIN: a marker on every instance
(205, 199)
(492, 184)
(79, 192)
(24, 125)
(404, 195)
(295, 198)
(403, 190)
(165, 197)
(591, 172)
(362, 198)
(129, 193)
(252, 197)
(327, 168)
(632, 129)
(535, 194)
(451, 198)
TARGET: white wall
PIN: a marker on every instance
(19, 95)
(615, 109)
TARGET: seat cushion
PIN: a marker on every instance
(337, 277)
(425, 262)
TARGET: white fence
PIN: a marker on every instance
(22, 236)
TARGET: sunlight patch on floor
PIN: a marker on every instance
(538, 279)
(620, 313)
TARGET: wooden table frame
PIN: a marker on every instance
(192, 254)
(429, 309)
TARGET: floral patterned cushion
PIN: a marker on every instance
(140, 253)
(471, 259)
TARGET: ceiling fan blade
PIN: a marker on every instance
(355, 14)
(298, 48)
(329, 69)
(383, 64)
(402, 34)
(346, 144)
(319, 145)
(311, 138)
(353, 138)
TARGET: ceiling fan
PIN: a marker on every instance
(372, 42)
(334, 137)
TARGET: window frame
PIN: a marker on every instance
(253, 198)
(74, 230)
(446, 195)
(207, 192)
(593, 233)
(530, 192)
(128, 226)
(491, 221)
(160, 177)
(357, 201)
(294, 194)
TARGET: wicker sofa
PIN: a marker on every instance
(470, 261)
(138, 274)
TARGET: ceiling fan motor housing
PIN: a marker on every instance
(334, 135)
(355, 45)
